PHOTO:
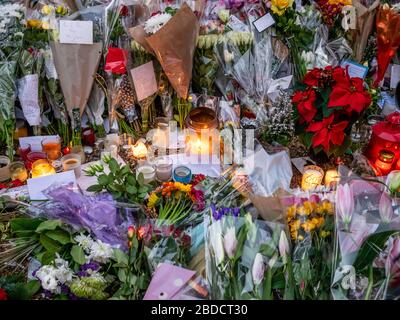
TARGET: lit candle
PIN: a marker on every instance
(331, 178)
(312, 177)
(139, 150)
(148, 172)
(18, 171)
(385, 161)
(41, 168)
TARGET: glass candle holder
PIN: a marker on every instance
(72, 161)
(34, 156)
(182, 174)
(51, 146)
(148, 172)
(42, 168)
(56, 163)
(88, 137)
(18, 171)
(4, 168)
(331, 178)
(163, 169)
(312, 177)
(24, 150)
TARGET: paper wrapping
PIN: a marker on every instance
(174, 45)
(76, 66)
(388, 38)
(365, 23)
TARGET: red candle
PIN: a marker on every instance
(385, 161)
(88, 137)
(23, 151)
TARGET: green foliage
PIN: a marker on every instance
(17, 288)
(120, 182)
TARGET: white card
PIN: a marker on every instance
(264, 22)
(36, 186)
(28, 94)
(280, 84)
(76, 32)
(236, 25)
(144, 80)
(355, 69)
(394, 76)
(34, 141)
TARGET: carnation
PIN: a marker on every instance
(156, 22)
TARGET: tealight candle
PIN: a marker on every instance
(182, 174)
(163, 169)
(331, 178)
(51, 146)
(18, 171)
(72, 162)
(148, 172)
(139, 150)
(312, 177)
(42, 168)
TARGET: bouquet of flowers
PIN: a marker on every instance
(243, 258)
(11, 34)
(327, 103)
(310, 225)
(174, 203)
(366, 265)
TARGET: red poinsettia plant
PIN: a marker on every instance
(327, 103)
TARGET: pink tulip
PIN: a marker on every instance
(385, 208)
(258, 269)
(345, 203)
(283, 246)
(394, 257)
(230, 242)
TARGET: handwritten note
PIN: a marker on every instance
(144, 80)
(356, 70)
(36, 186)
(28, 94)
(264, 22)
(76, 32)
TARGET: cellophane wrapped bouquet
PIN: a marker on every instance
(367, 244)
(310, 224)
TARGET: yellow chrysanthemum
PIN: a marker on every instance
(152, 200)
(34, 23)
(293, 234)
(343, 2)
(183, 187)
(291, 212)
(308, 226)
(46, 10)
(280, 6)
(305, 209)
(295, 225)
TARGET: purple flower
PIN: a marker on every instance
(64, 289)
(236, 212)
(94, 266)
(47, 294)
(82, 274)
(215, 213)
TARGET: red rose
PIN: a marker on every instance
(304, 101)
(186, 241)
(3, 294)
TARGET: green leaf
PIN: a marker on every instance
(131, 189)
(103, 180)
(95, 188)
(47, 257)
(32, 287)
(78, 254)
(140, 179)
(122, 275)
(142, 195)
(131, 179)
(24, 224)
(49, 225)
(59, 235)
(120, 257)
(143, 189)
(371, 248)
(49, 244)
(114, 166)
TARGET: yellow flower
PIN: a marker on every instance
(61, 10)
(280, 6)
(34, 23)
(152, 200)
(291, 212)
(343, 2)
(308, 226)
(294, 234)
(183, 187)
(305, 209)
(45, 25)
(295, 225)
(46, 10)
(324, 233)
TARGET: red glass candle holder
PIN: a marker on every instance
(34, 156)
(24, 151)
(88, 137)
